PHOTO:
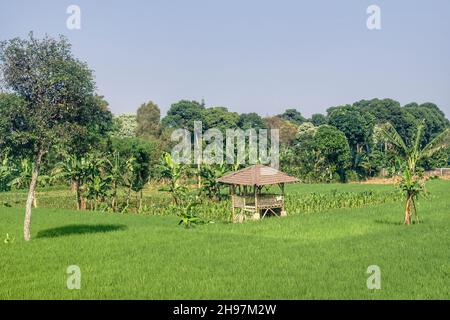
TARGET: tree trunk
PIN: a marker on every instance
(31, 192)
(34, 200)
(76, 187)
(409, 204)
(140, 201)
(83, 202)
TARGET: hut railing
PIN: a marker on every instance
(263, 200)
(272, 200)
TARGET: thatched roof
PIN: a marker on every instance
(257, 175)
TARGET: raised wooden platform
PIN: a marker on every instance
(258, 206)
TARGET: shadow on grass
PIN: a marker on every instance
(76, 229)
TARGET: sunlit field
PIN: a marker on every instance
(322, 249)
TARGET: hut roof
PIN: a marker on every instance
(258, 175)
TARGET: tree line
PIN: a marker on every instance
(56, 128)
(343, 144)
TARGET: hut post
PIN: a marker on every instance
(283, 210)
(232, 192)
(256, 215)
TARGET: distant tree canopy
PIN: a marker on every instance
(124, 125)
(145, 157)
(388, 110)
(356, 124)
(148, 120)
(182, 114)
(287, 129)
(94, 134)
(220, 118)
(435, 121)
(333, 148)
(293, 116)
(318, 119)
(250, 120)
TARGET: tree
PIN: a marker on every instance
(92, 134)
(124, 126)
(388, 110)
(293, 116)
(220, 118)
(356, 125)
(148, 118)
(250, 120)
(318, 119)
(142, 152)
(412, 183)
(56, 89)
(13, 134)
(435, 121)
(183, 114)
(333, 150)
(288, 130)
(301, 157)
(306, 129)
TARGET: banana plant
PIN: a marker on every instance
(173, 172)
(188, 216)
(23, 178)
(210, 174)
(97, 181)
(73, 169)
(24, 175)
(97, 189)
(6, 173)
(412, 182)
(119, 173)
(127, 177)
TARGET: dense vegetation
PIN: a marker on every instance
(56, 130)
(302, 256)
(62, 152)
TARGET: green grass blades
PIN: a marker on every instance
(302, 256)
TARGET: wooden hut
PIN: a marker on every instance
(247, 198)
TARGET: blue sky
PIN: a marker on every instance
(251, 56)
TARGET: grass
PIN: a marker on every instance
(302, 256)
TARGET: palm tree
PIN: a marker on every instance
(412, 183)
